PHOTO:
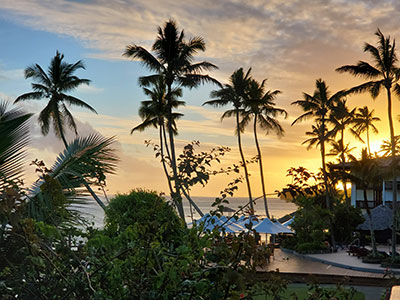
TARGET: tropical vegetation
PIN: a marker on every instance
(48, 250)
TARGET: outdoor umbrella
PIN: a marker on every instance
(283, 228)
(267, 226)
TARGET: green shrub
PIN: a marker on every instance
(310, 247)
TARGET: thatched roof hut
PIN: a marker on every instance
(381, 219)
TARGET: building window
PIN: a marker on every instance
(388, 185)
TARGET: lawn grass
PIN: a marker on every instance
(302, 293)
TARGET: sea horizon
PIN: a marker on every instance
(277, 207)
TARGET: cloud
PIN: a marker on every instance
(6, 75)
(292, 43)
(90, 89)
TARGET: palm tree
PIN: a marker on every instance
(364, 120)
(173, 60)
(383, 74)
(341, 118)
(318, 106)
(261, 106)
(365, 173)
(54, 85)
(234, 93)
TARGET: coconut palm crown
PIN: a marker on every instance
(54, 85)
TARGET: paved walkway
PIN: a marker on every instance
(290, 263)
(342, 259)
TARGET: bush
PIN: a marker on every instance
(310, 247)
(345, 221)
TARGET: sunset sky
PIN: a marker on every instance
(292, 43)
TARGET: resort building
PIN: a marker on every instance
(379, 190)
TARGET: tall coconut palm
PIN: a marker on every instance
(384, 73)
(341, 118)
(260, 106)
(362, 122)
(173, 60)
(318, 107)
(235, 93)
(54, 85)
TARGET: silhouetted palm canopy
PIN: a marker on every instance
(319, 104)
(340, 150)
(154, 112)
(385, 70)
(318, 135)
(173, 58)
(54, 85)
(386, 147)
(341, 117)
(363, 121)
(234, 93)
(260, 104)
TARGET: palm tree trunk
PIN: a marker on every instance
(394, 179)
(371, 229)
(177, 194)
(165, 142)
(327, 197)
(191, 202)
(61, 130)
(246, 174)
(369, 149)
(344, 181)
(163, 158)
(95, 197)
(261, 167)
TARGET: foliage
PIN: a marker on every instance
(345, 221)
(303, 183)
(311, 221)
(311, 224)
(144, 251)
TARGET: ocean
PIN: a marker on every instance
(277, 208)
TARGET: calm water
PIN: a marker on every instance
(277, 208)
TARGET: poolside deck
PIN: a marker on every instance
(326, 265)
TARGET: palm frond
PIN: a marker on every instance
(77, 102)
(14, 132)
(144, 56)
(85, 161)
(30, 96)
(362, 69)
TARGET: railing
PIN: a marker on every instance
(361, 204)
